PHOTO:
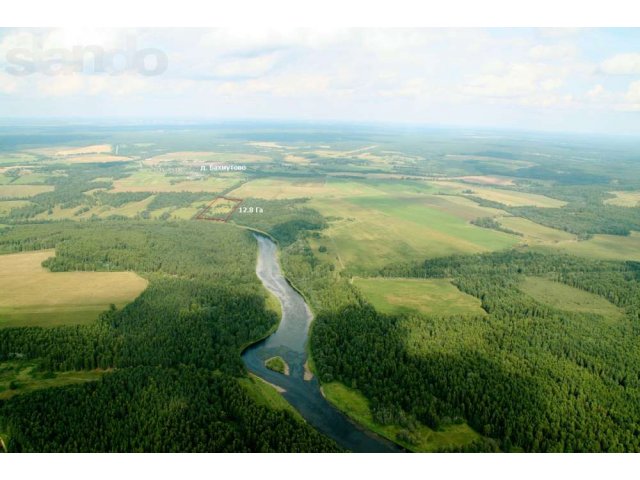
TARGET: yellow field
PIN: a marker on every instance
(103, 148)
(94, 158)
(296, 159)
(33, 296)
(428, 296)
(206, 157)
(185, 213)
(625, 199)
(7, 206)
(534, 233)
(57, 213)
(511, 198)
(23, 191)
(157, 182)
(486, 180)
(271, 145)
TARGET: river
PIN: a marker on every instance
(289, 341)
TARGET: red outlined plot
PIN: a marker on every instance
(219, 209)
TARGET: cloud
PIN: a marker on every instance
(297, 85)
(246, 67)
(622, 64)
(396, 74)
(596, 91)
(632, 98)
(517, 80)
(256, 41)
(553, 52)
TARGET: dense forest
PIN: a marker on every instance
(142, 409)
(532, 376)
(175, 349)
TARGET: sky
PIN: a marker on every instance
(573, 80)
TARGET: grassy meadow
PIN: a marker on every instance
(371, 232)
(18, 377)
(534, 233)
(606, 247)
(23, 191)
(428, 296)
(565, 297)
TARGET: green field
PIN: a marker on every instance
(279, 188)
(607, 247)
(418, 439)
(564, 297)
(371, 232)
(534, 233)
(429, 296)
(17, 377)
(16, 158)
(376, 222)
(33, 296)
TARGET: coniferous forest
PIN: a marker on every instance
(173, 355)
(534, 377)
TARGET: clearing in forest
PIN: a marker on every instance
(564, 297)
(624, 199)
(437, 296)
(220, 209)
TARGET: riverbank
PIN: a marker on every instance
(289, 342)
